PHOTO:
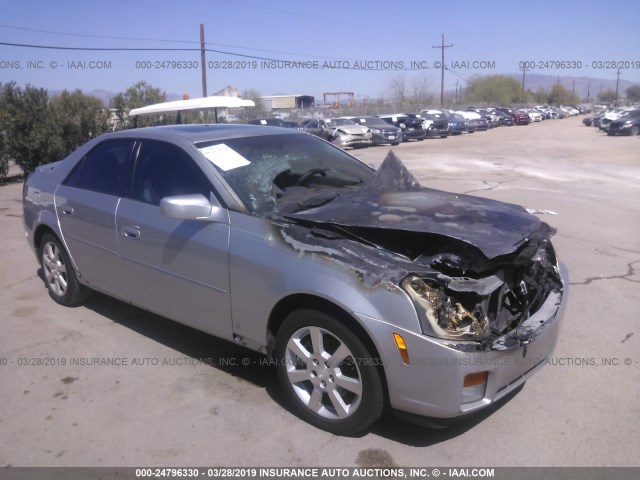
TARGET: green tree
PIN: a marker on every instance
(78, 118)
(494, 90)
(607, 96)
(633, 93)
(138, 95)
(561, 96)
(540, 96)
(28, 126)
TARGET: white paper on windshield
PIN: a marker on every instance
(223, 157)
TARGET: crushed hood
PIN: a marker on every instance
(352, 129)
(395, 201)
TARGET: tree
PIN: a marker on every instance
(607, 96)
(561, 96)
(398, 87)
(4, 147)
(37, 130)
(494, 90)
(540, 96)
(421, 92)
(28, 126)
(78, 118)
(138, 95)
(633, 93)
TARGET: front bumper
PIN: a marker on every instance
(414, 134)
(386, 137)
(431, 385)
(344, 141)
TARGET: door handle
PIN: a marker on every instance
(131, 232)
(67, 211)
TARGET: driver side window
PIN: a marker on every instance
(163, 170)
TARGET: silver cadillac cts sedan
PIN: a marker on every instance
(367, 290)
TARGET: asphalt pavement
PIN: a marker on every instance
(107, 384)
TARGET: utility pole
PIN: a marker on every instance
(617, 84)
(442, 46)
(522, 95)
(588, 90)
(203, 61)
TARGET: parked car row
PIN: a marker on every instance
(391, 129)
(616, 121)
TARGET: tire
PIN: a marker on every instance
(324, 372)
(59, 275)
(634, 131)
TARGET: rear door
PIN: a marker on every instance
(86, 204)
(177, 268)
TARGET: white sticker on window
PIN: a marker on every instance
(223, 157)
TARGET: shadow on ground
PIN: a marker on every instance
(231, 358)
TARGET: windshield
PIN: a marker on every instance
(370, 121)
(284, 173)
(631, 113)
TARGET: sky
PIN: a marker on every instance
(330, 46)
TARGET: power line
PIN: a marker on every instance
(243, 21)
(86, 35)
(109, 37)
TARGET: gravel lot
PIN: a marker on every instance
(162, 406)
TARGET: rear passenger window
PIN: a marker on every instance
(101, 170)
(163, 170)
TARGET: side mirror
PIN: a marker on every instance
(192, 207)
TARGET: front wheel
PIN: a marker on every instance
(59, 275)
(328, 374)
(634, 131)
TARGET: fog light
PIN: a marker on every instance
(402, 348)
(475, 386)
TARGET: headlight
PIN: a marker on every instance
(627, 124)
(375, 130)
(440, 316)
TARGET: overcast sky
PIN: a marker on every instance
(357, 46)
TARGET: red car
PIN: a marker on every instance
(519, 118)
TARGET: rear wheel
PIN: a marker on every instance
(59, 275)
(635, 130)
(328, 374)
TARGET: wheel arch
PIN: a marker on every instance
(300, 301)
(44, 229)
(40, 232)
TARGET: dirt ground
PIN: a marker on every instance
(171, 397)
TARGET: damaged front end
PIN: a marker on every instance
(486, 301)
(475, 269)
